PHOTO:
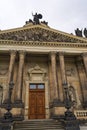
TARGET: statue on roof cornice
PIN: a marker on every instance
(78, 32)
(36, 18)
(85, 32)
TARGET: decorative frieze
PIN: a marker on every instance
(43, 44)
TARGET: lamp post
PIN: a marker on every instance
(8, 114)
(7, 119)
(71, 122)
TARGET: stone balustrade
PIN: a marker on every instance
(81, 114)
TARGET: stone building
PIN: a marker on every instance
(41, 61)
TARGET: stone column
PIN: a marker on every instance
(84, 55)
(11, 65)
(20, 78)
(50, 81)
(54, 76)
(82, 78)
(62, 68)
(10, 72)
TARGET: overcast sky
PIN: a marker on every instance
(63, 15)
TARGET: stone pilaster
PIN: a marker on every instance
(54, 75)
(10, 72)
(84, 55)
(82, 78)
(20, 78)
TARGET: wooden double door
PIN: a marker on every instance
(36, 101)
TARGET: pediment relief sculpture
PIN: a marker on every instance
(40, 34)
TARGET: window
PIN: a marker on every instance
(32, 86)
(40, 86)
(36, 86)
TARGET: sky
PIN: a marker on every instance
(63, 15)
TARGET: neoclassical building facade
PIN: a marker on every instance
(41, 61)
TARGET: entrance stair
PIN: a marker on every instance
(39, 124)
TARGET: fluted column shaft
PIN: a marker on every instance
(62, 67)
(10, 72)
(20, 77)
(50, 82)
(11, 65)
(54, 74)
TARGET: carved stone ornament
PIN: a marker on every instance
(70, 72)
(3, 70)
(39, 34)
(37, 74)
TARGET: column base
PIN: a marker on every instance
(6, 104)
(18, 103)
(57, 109)
(56, 103)
(5, 101)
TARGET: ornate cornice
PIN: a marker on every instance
(43, 44)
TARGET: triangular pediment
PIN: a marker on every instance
(39, 33)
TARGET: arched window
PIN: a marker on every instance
(1, 94)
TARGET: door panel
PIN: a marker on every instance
(37, 103)
(32, 105)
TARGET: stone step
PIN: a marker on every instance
(38, 125)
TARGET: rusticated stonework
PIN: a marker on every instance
(40, 34)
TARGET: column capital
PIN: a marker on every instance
(22, 52)
(53, 52)
(13, 52)
(61, 53)
(84, 54)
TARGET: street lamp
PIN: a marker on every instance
(7, 119)
(70, 120)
